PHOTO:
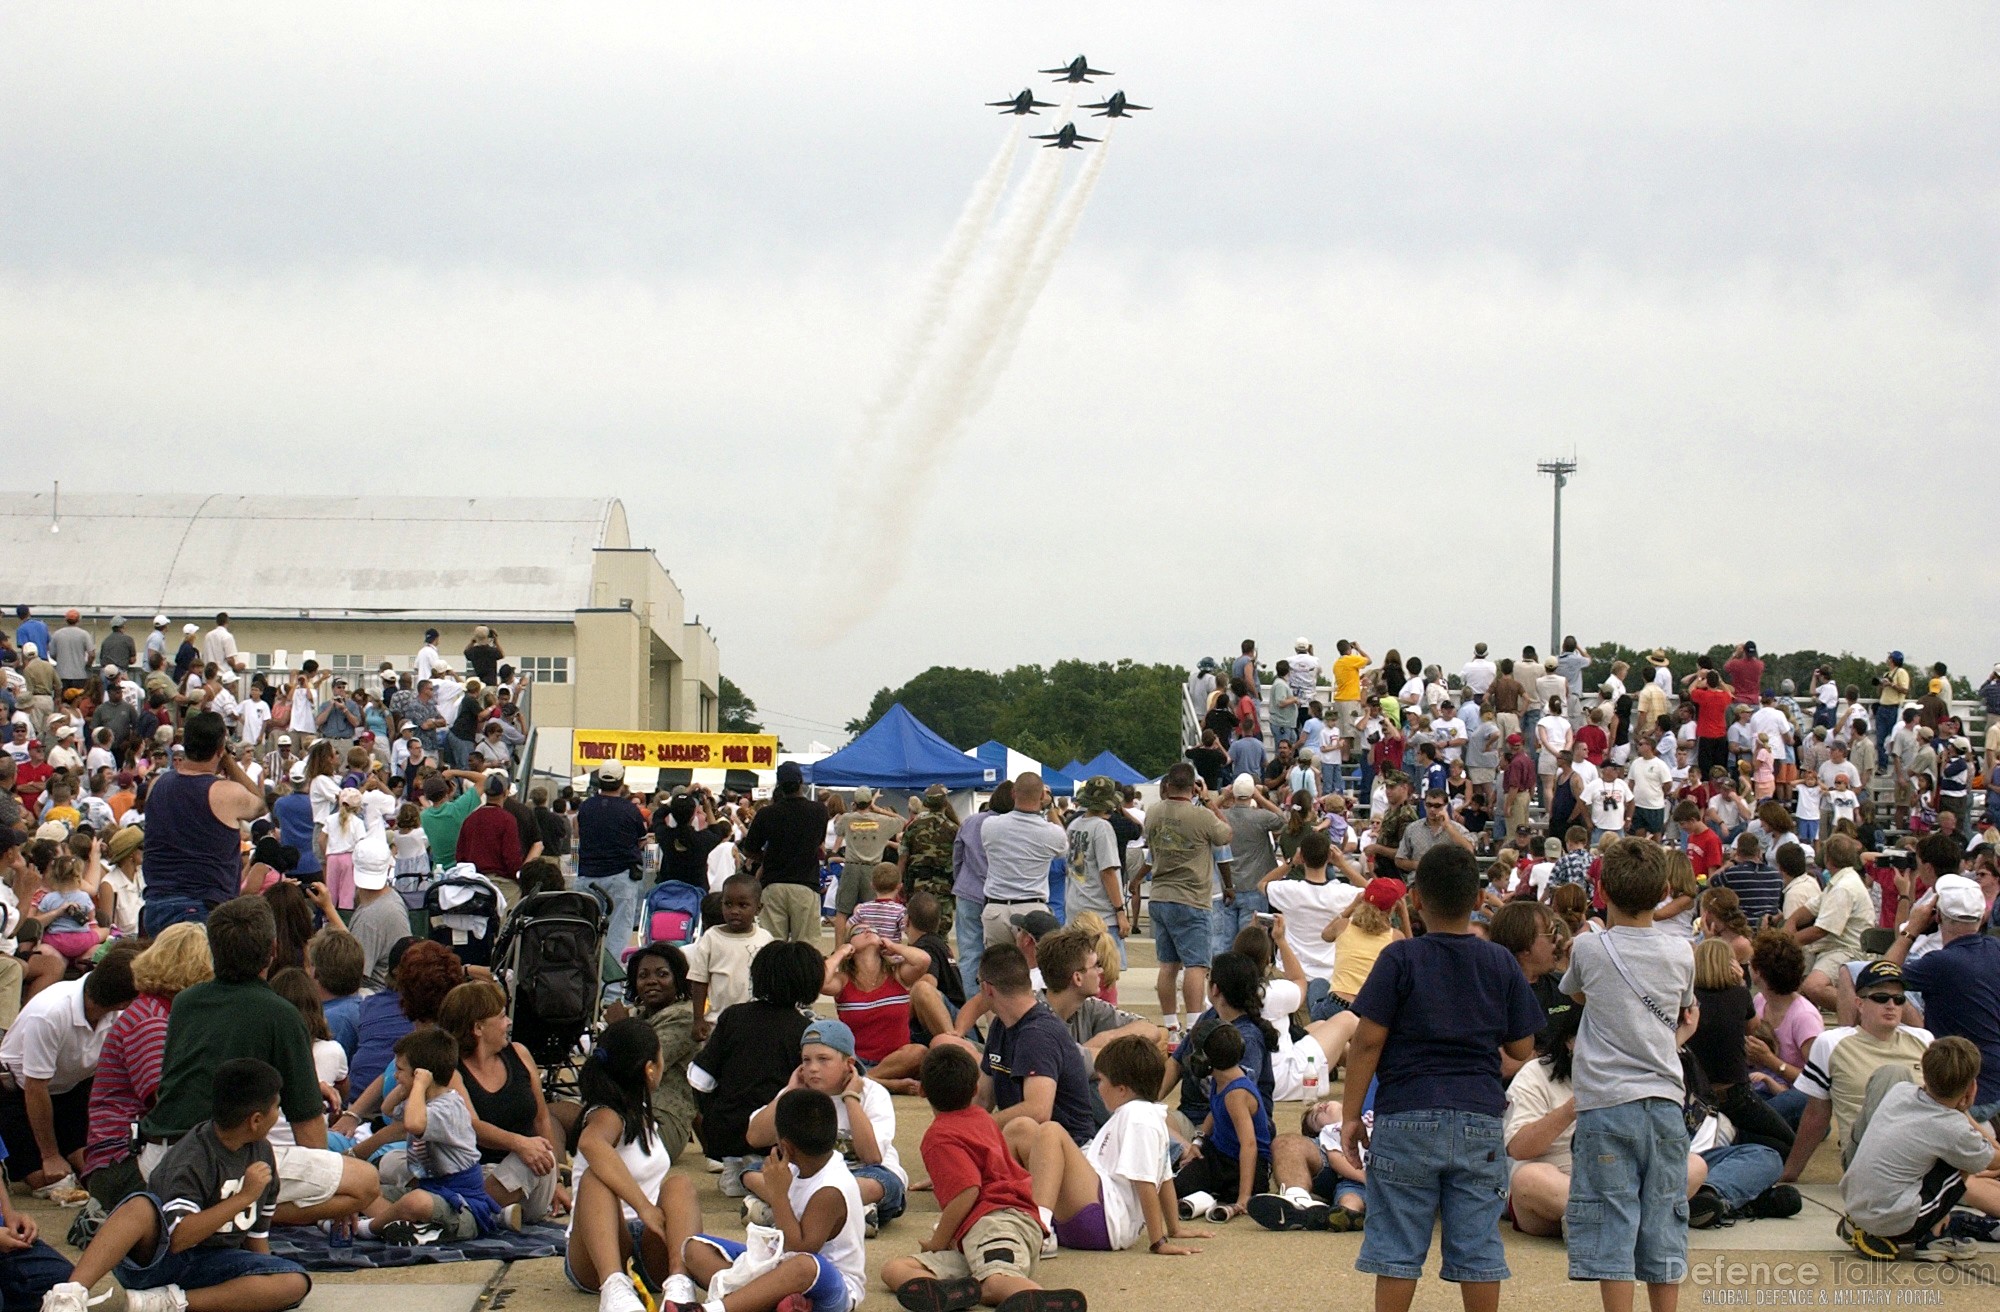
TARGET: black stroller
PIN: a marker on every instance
(550, 960)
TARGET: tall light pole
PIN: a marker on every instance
(1561, 469)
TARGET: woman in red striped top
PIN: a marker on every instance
(875, 986)
(128, 1070)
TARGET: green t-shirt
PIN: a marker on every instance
(441, 824)
(215, 1022)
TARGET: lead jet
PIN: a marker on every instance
(1116, 107)
(1078, 70)
(1025, 103)
(1064, 138)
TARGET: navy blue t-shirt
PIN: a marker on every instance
(294, 812)
(1449, 1001)
(1040, 1045)
(1256, 1061)
(1961, 986)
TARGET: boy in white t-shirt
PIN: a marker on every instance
(1808, 797)
(867, 1141)
(719, 961)
(1309, 904)
(1105, 1195)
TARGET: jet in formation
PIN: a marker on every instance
(1025, 103)
(1078, 70)
(1116, 107)
(1064, 138)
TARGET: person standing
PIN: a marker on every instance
(926, 852)
(195, 813)
(1183, 838)
(1745, 673)
(864, 833)
(428, 657)
(30, 630)
(1347, 667)
(1019, 847)
(1892, 689)
(72, 651)
(118, 648)
(1478, 673)
(609, 831)
(968, 884)
(218, 645)
(788, 840)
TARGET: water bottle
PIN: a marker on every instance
(340, 1232)
(1309, 1082)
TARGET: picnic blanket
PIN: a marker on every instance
(307, 1246)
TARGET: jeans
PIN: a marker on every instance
(1529, 719)
(1427, 1166)
(1284, 733)
(1628, 1212)
(620, 895)
(1058, 889)
(893, 1192)
(1329, 778)
(1322, 1003)
(1228, 919)
(162, 910)
(1741, 1171)
(27, 1274)
(1181, 934)
(1885, 724)
(971, 936)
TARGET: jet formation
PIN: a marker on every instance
(1067, 137)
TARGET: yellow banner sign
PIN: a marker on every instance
(674, 751)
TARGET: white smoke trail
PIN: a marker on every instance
(1048, 250)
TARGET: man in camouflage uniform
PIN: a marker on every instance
(927, 853)
(1390, 825)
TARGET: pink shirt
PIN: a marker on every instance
(1795, 1032)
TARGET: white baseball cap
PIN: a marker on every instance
(1959, 898)
(611, 772)
(372, 862)
(1244, 785)
(190, 629)
(161, 621)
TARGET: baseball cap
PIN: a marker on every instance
(350, 797)
(937, 793)
(863, 796)
(372, 862)
(1243, 785)
(284, 740)
(1876, 973)
(164, 734)
(161, 621)
(496, 783)
(66, 731)
(790, 773)
(829, 1033)
(1514, 740)
(118, 621)
(111, 670)
(1301, 644)
(31, 649)
(611, 772)
(297, 774)
(1959, 898)
(1384, 893)
(1552, 847)
(190, 629)
(1036, 924)
(1896, 656)
(54, 831)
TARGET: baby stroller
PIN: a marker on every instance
(464, 910)
(673, 914)
(550, 961)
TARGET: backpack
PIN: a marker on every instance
(673, 913)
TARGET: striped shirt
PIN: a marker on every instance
(884, 915)
(1760, 888)
(128, 1077)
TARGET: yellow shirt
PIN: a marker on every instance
(1347, 677)
(1893, 692)
(1354, 956)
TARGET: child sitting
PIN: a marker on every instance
(719, 961)
(449, 1189)
(814, 1205)
(866, 1141)
(1231, 1158)
(752, 1053)
(885, 913)
(1314, 1185)
(988, 1239)
(1919, 1157)
(67, 913)
(205, 1224)
(620, 1173)
(337, 962)
(1104, 1195)
(329, 1058)
(923, 932)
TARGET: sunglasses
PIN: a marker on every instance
(1884, 998)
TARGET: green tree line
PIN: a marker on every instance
(1849, 670)
(1072, 709)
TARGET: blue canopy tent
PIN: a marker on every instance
(1076, 769)
(900, 752)
(1007, 763)
(1107, 764)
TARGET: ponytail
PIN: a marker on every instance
(614, 1076)
(1236, 977)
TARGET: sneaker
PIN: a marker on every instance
(69, 1297)
(1045, 1300)
(1873, 1247)
(619, 1294)
(1706, 1208)
(757, 1212)
(732, 1178)
(925, 1295)
(679, 1289)
(167, 1298)
(511, 1216)
(1943, 1248)
(1278, 1212)
(1973, 1226)
(714, 1166)
(871, 1221)
(1780, 1200)
(403, 1234)
(1356, 1221)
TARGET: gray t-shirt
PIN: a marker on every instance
(1093, 847)
(1482, 746)
(1624, 1052)
(1282, 716)
(378, 925)
(447, 1145)
(1019, 847)
(1095, 1017)
(70, 648)
(1571, 666)
(1250, 829)
(1909, 1133)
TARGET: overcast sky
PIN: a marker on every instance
(1358, 270)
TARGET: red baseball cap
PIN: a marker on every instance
(1384, 893)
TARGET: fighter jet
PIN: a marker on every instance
(1078, 70)
(1064, 138)
(1116, 107)
(1025, 103)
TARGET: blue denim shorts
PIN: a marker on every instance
(893, 1191)
(1180, 934)
(1430, 1166)
(198, 1268)
(1628, 1211)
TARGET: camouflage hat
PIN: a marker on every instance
(1098, 793)
(936, 796)
(1390, 778)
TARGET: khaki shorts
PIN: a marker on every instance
(857, 885)
(307, 1177)
(1005, 1242)
(1829, 962)
(1480, 774)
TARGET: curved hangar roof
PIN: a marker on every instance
(269, 557)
